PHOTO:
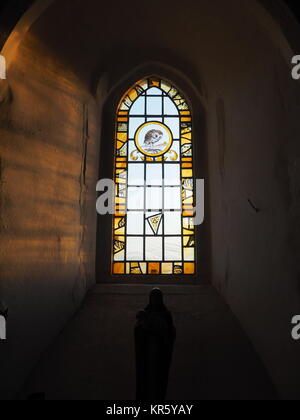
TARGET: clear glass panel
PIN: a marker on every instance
(154, 106)
(135, 223)
(138, 107)
(172, 198)
(169, 107)
(172, 223)
(172, 174)
(159, 119)
(173, 124)
(153, 198)
(134, 248)
(154, 91)
(136, 174)
(135, 198)
(173, 248)
(154, 174)
(133, 154)
(134, 124)
(153, 248)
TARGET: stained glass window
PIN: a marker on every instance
(153, 226)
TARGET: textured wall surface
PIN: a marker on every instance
(238, 59)
(49, 162)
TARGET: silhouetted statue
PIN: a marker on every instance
(154, 340)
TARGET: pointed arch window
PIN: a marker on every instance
(153, 225)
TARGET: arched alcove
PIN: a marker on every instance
(107, 152)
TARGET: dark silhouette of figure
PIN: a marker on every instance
(154, 341)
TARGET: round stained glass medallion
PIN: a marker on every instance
(153, 139)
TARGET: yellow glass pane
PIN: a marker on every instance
(165, 86)
(143, 84)
(143, 267)
(189, 268)
(187, 173)
(121, 165)
(186, 131)
(154, 268)
(173, 92)
(122, 137)
(120, 231)
(187, 213)
(122, 119)
(189, 241)
(119, 212)
(124, 106)
(154, 82)
(120, 201)
(120, 256)
(135, 268)
(186, 119)
(188, 231)
(120, 144)
(189, 254)
(185, 113)
(187, 165)
(167, 268)
(132, 95)
(119, 268)
(188, 203)
(185, 140)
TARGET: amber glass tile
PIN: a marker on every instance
(154, 268)
(119, 268)
(189, 268)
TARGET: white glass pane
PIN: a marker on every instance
(134, 124)
(154, 106)
(154, 174)
(134, 248)
(135, 198)
(172, 221)
(154, 91)
(135, 223)
(170, 107)
(154, 223)
(173, 124)
(136, 174)
(154, 119)
(172, 198)
(172, 174)
(138, 107)
(173, 249)
(153, 249)
(153, 198)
